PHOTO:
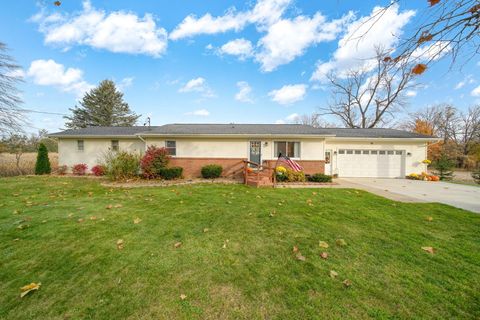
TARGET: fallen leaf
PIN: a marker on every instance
(347, 283)
(93, 218)
(295, 249)
(177, 244)
(341, 242)
(429, 219)
(183, 296)
(120, 244)
(110, 206)
(333, 274)
(225, 244)
(90, 194)
(205, 230)
(429, 249)
(137, 220)
(80, 220)
(118, 206)
(300, 257)
(324, 255)
(323, 244)
(28, 288)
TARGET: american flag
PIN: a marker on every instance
(292, 164)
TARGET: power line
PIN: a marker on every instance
(43, 112)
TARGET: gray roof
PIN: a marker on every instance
(238, 129)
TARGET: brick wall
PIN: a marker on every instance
(232, 168)
(309, 166)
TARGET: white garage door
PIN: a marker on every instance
(371, 163)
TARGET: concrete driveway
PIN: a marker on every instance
(457, 195)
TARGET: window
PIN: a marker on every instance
(287, 148)
(365, 151)
(327, 157)
(349, 151)
(114, 145)
(171, 147)
(341, 151)
(398, 152)
(373, 152)
(80, 145)
(358, 151)
(382, 152)
(390, 152)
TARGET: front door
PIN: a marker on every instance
(255, 151)
(328, 162)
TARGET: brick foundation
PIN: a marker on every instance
(309, 166)
(232, 168)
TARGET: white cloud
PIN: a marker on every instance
(198, 85)
(51, 73)
(432, 52)
(200, 112)
(356, 49)
(289, 94)
(116, 31)
(243, 94)
(292, 117)
(125, 83)
(411, 93)
(467, 80)
(476, 92)
(265, 12)
(239, 47)
(287, 39)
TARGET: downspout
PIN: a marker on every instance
(143, 140)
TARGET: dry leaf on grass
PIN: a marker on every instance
(324, 255)
(183, 296)
(177, 244)
(137, 220)
(120, 244)
(118, 206)
(347, 283)
(300, 257)
(80, 220)
(110, 206)
(429, 250)
(333, 274)
(295, 249)
(93, 218)
(29, 288)
(323, 244)
(429, 219)
(341, 242)
(205, 230)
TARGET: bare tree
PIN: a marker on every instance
(10, 112)
(314, 119)
(367, 98)
(444, 27)
(467, 130)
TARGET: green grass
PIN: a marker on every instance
(85, 276)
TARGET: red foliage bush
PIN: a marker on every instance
(98, 170)
(79, 169)
(153, 161)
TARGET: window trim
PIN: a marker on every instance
(275, 148)
(170, 148)
(117, 146)
(82, 142)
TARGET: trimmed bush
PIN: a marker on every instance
(79, 169)
(319, 177)
(98, 170)
(171, 173)
(212, 171)
(122, 165)
(295, 176)
(153, 161)
(61, 170)
(43, 163)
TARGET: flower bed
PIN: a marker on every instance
(423, 176)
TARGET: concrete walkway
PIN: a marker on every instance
(457, 195)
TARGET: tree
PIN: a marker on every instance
(16, 144)
(315, 120)
(434, 149)
(10, 112)
(443, 167)
(369, 97)
(43, 163)
(102, 106)
(446, 27)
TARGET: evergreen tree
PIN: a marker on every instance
(102, 106)
(443, 167)
(43, 163)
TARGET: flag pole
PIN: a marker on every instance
(275, 170)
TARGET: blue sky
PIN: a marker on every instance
(257, 61)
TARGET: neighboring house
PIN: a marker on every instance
(347, 152)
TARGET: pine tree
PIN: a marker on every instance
(102, 106)
(43, 163)
(444, 167)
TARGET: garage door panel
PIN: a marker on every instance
(370, 163)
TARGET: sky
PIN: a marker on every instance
(210, 61)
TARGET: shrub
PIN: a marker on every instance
(153, 161)
(295, 176)
(61, 170)
(171, 173)
(79, 169)
(98, 170)
(43, 163)
(443, 167)
(211, 171)
(476, 175)
(121, 165)
(423, 176)
(319, 177)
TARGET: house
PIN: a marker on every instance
(375, 152)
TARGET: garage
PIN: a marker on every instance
(370, 163)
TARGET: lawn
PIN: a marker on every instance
(236, 258)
